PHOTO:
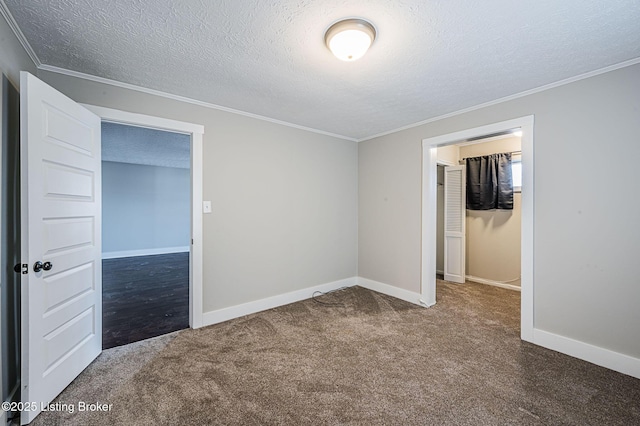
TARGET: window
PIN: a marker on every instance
(516, 173)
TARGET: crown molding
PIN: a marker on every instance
(559, 83)
(4, 10)
(185, 99)
(25, 44)
(510, 97)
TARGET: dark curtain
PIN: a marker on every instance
(489, 183)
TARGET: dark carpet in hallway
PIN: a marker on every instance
(143, 297)
(366, 359)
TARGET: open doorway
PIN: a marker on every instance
(492, 235)
(195, 132)
(146, 203)
(429, 211)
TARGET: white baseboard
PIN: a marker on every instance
(144, 252)
(389, 290)
(493, 283)
(439, 272)
(596, 355)
(225, 314)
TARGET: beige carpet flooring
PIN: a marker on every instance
(365, 359)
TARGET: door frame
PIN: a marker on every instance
(429, 211)
(196, 132)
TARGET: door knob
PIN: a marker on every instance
(39, 266)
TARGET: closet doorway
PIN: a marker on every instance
(491, 245)
(429, 210)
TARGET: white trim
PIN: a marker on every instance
(510, 97)
(4, 11)
(492, 283)
(58, 70)
(185, 99)
(196, 273)
(196, 131)
(477, 132)
(569, 80)
(226, 314)
(527, 218)
(393, 291)
(142, 120)
(594, 354)
(429, 216)
(429, 211)
(143, 252)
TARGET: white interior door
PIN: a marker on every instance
(61, 228)
(454, 223)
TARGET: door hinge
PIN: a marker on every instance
(21, 268)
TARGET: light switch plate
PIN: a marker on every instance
(206, 206)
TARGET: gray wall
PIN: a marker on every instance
(284, 199)
(493, 244)
(586, 236)
(144, 207)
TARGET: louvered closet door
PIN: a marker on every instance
(454, 223)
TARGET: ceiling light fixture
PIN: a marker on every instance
(350, 39)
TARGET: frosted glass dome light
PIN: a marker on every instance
(350, 39)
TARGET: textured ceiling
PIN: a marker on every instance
(431, 57)
(138, 145)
